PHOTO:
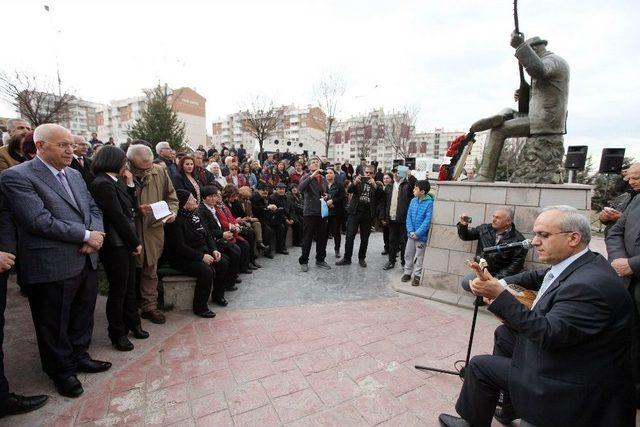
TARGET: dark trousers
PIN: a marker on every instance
(385, 237)
(314, 226)
(120, 267)
(224, 275)
(335, 228)
(363, 221)
(62, 314)
(205, 280)
(279, 231)
(232, 251)
(248, 234)
(484, 378)
(297, 230)
(504, 340)
(397, 240)
(245, 254)
(4, 385)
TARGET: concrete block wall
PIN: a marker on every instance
(445, 255)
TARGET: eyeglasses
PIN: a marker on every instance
(544, 235)
(368, 173)
(65, 146)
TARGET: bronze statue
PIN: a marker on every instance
(540, 160)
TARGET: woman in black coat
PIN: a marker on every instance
(336, 199)
(190, 248)
(121, 245)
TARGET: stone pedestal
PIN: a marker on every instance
(445, 256)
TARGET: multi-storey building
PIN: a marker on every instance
(115, 119)
(299, 130)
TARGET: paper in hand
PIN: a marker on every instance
(160, 209)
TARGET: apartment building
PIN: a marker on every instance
(115, 119)
(300, 130)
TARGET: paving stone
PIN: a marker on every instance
(297, 405)
(284, 383)
(246, 397)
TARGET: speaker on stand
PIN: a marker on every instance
(610, 162)
(575, 160)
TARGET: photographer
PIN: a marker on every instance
(501, 231)
(313, 187)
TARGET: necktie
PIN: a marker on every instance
(63, 180)
(546, 282)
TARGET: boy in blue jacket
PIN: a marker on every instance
(418, 221)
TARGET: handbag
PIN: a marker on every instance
(324, 208)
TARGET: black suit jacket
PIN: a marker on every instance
(85, 170)
(210, 222)
(8, 234)
(185, 243)
(119, 205)
(571, 364)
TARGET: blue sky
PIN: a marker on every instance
(451, 60)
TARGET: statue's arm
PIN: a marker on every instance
(536, 67)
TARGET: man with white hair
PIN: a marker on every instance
(152, 185)
(571, 361)
(80, 161)
(165, 158)
(59, 233)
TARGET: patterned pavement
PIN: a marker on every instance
(329, 348)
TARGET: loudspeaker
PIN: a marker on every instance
(398, 162)
(576, 157)
(611, 160)
(410, 162)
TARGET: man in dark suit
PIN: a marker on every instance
(80, 161)
(624, 254)
(571, 362)
(10, 403)
(59, 231)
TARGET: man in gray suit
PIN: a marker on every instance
(59, 233)
(623, 249)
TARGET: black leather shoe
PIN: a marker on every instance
(385, 252)
(122, 344)
(255, 264)
(247, 271)
(268, 255)
(92, 366)
(231, 288)
(206, 314)
(362, 263)
(505, 416)
(139, 333)
(237, 280)
(447, 420)
(344, 261)
(69, 387)
(252, 267)
(283, 252)
(16, 404)
(405, 277)
(221, 301)
(261, 246)
(389, 266)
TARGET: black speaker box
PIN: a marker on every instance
(611, 160)
(576, 157)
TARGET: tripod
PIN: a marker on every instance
(476, 305)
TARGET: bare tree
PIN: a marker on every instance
(329, 92)
(35, 101)
(399, 128)
(261, 119)
(364, 134)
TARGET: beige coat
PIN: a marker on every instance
(6, 161)
(157, 186)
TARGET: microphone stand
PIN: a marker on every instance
(460, 373)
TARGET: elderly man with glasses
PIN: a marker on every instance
(570, 362)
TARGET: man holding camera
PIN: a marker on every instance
(313, 187)
(501, 231)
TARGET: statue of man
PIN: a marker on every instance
(540, 160)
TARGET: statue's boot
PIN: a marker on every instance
(490, 157)
(487, 123)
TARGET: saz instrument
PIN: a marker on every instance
(525, 296)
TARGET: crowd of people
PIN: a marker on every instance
(68, 204)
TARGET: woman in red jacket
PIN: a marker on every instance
(229, 223)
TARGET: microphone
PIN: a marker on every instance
(525, 244)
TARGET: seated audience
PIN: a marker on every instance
(267, 214)
(185, 179)
(191, 249)
(234, 178)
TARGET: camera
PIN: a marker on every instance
(322, 172)
(467, 219)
